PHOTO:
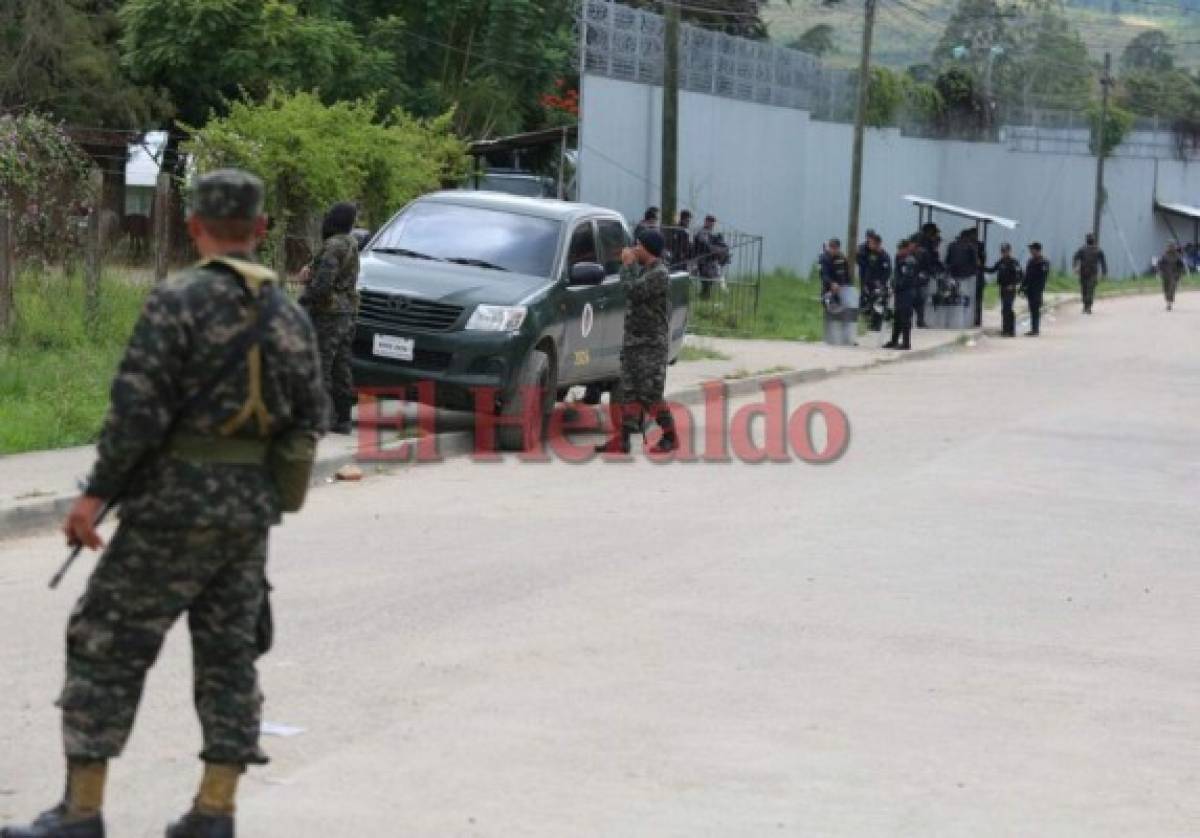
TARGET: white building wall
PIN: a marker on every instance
(775, 172)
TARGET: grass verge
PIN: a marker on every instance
(54, 371)
(789, 308)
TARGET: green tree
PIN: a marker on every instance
(207, 52)
(61, 57)
(1054, 71)
(816, 40)
(1115, 128)
(311, 154)
(1151, 52)
(971, 33)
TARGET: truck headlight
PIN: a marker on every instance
(497, 318)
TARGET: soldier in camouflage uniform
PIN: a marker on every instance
(1091, 266)
(184, 448)
(332, 301)
(1171, 267)
(645, 347)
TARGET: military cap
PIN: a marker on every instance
(652, 240)
(227, 194)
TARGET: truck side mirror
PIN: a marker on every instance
(587, 273)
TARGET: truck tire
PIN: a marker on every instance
(536, 373)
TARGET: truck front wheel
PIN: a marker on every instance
(536, 379)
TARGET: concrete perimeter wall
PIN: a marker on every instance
(777, 173)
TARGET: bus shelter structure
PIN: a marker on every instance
(967, 305)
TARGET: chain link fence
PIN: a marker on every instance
(620, 42)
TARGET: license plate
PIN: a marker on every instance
(390, 346)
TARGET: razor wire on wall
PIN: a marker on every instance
(628, 44)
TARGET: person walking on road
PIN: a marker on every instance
(220, 381)
(1171, 267)
(645, 347)
(1008, 278)
(331, 299)
(1037, 271)
(904, 294)
(1091, 266)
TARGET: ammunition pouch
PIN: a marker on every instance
(290, 460)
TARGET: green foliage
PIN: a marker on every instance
(312, 155)
(1149, 52)
(54, 373)
(44, 175)
(885, 96)
(206, 52)
(964, 110)
(62, 57)
(1055, 70)
(816, 40)
(789, 308)
(1118, 124)
(1169, 94)
(972, 31)
(922, 101)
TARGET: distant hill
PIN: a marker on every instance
(907, 30)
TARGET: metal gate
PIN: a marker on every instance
(728, 301)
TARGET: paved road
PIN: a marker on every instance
(982, 621)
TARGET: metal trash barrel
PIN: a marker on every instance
(841, 317)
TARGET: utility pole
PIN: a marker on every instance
(860, 119)
(1105, 83)
(670, 123)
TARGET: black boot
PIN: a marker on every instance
(618, 443)
(196, 825)
(56, 824)
(669, 440)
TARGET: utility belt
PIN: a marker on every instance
(218, 450)
(288, 458)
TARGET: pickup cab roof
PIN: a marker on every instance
(550, 208)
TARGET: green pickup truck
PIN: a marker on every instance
(474, 290)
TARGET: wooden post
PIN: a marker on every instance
(94, 249)
(7, 268)
(162, 226)
(856, 157)
(670, 115)
(1106, 82)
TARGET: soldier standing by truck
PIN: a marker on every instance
(1091, 267)
(645, 346)
(331, 299)
(209, 437)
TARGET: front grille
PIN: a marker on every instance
(401, 312)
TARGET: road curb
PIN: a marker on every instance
(47, 511)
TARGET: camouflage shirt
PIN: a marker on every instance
(647, 312)
(1171, 265)
(333, 286)
(181, 340)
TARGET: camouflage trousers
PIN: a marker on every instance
(1087, 290)
(146, 579)
(335, 341)
(643, 378)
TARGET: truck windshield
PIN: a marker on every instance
(466, 235)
